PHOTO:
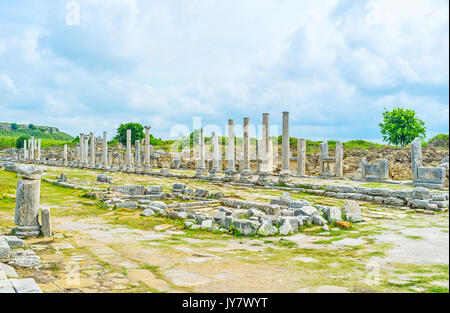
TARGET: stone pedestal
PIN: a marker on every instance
(27, 202)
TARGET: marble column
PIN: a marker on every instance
(301, 157)
(128, 153)
(105, 164)
(92, 155)
(147, 166)
(86, 151)
(65, 155)
(201, 152)
(416, 157)
(245, 174)
(81, 151)
(323, 155)
(137, 157)
(25, 151)
(339, 165)
(264, 171)
(32, 149)
(231, 154)
(215, 157)
(285, 157)
(26, 215)
(38, 153)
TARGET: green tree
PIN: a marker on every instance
(401, 126)
(20, 140)
(31, 126)
(137, 132)
(14, 126)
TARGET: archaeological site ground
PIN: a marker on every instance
(223, 218)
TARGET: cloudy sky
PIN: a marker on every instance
(334, 65)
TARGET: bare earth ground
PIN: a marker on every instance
(100, 250)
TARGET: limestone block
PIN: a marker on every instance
(46, 222)
(27, 285)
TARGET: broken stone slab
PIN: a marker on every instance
(26, 285)
(225, 210)
(29, 171)
(286, 229)
(255, 212)
(126, 205)
(105, 179)
(26, 259)
(332, 214)
(267, 229)
(148, 212)
(292, 220)
(226, 222)
(305, 211)
(299, 204)
(420, 193)
(316, 219)
(9, 270)
(206, 224)
(6, 287)
(246, 227)
(178, 187)
(159, 204)
(352, 211)
(13, 241)
(202, 193)
(418, 204)
(5, 250)
(152, 190)
(132, 190)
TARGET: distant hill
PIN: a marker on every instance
(43, 132)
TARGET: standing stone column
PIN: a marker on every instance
(265, 155)
(301, 157)
(137, 157)
(128, 153)
(246, 173)
(339, 165)
(230, 173)
(201, 152)
(86, 151)
(105, 165)
(65, 155)
(323, 155)
(81, 153)
(92, 156)
(38, 153)
(416, 157)
(147, 166)
(32, 149)
(215, 157)
(25, 151)
(27, 201)
(285, 157)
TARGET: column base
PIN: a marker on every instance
(285, 176)
(27, 231)
(200, 172)
(263, 178)
(245, 176)
(230, 175)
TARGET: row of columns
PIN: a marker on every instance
(87, 152)
(32, 149)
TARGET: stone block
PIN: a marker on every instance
(5, 250)
(13, 241)
(26, 285)
(420, 193)
(46, 222)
